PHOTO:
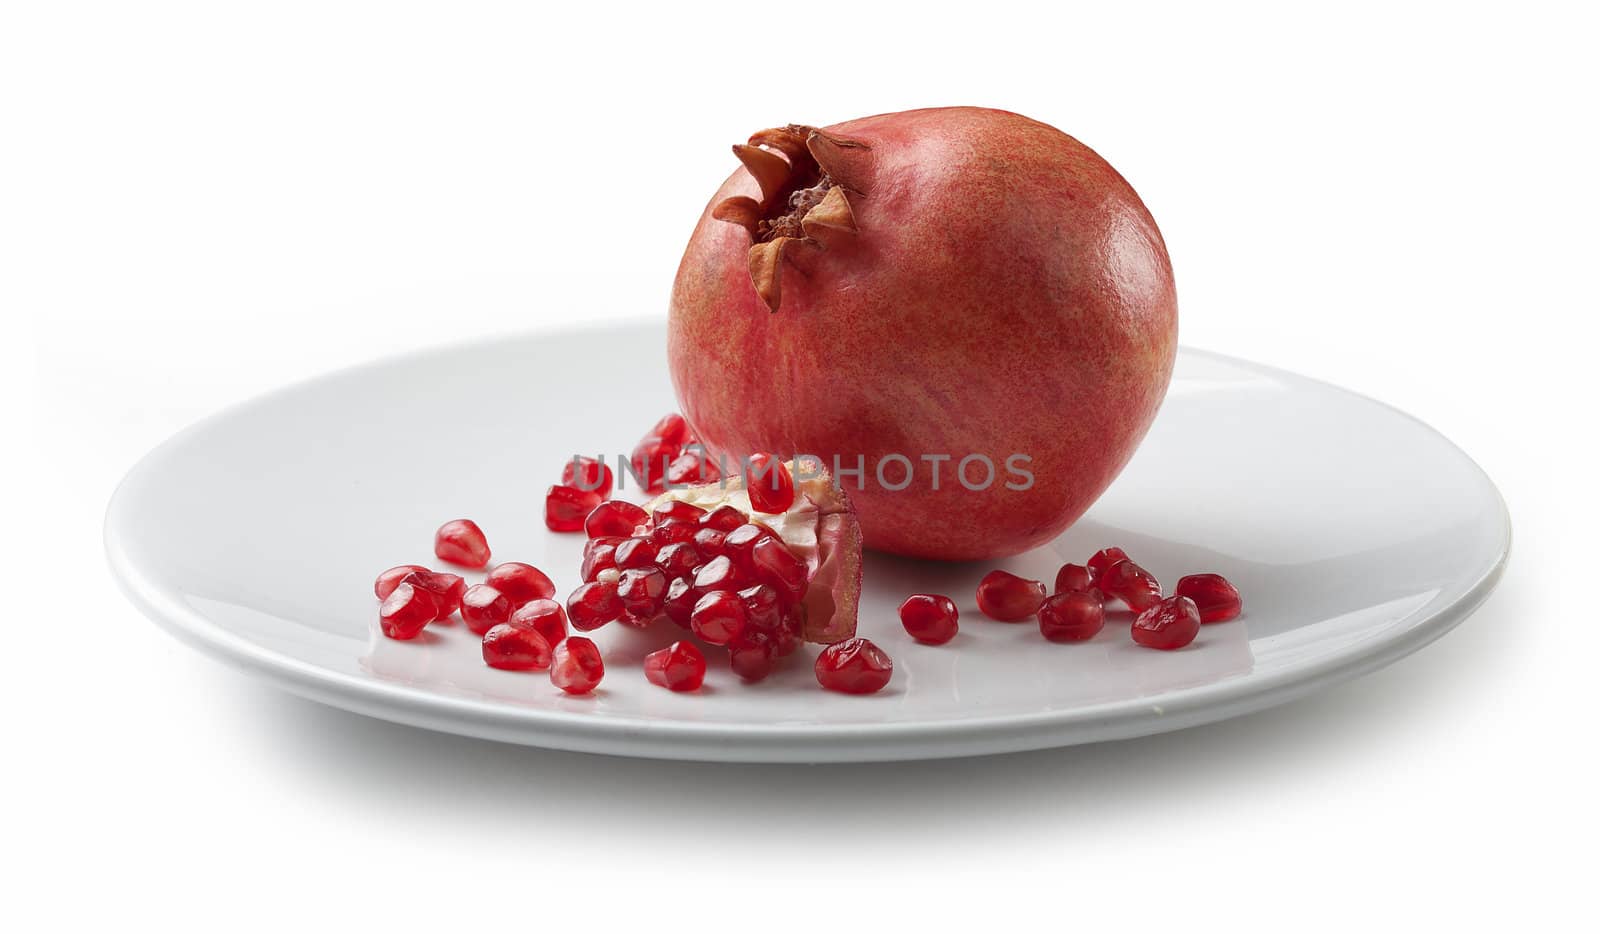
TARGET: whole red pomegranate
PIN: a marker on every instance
(971, 307)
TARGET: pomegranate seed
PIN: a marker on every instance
(1071, 617)
(657, 450)
(1072, 578)
(635, 553)
(1103, 560)
(769, 484)
(742, 540)
(679, 559)
(599, 554)
(575, 666)
(854, 666)
(751, 655)
(390, 579)
(587, 475)
(483, 607)
(520, 582)
(694, 465)
(515, 649)
(763, 611)
(1216, 598)
(720, 573)
(679, 602)
(775, 565)
(460, 541)
(711, 542)
(1006, 597)
(641, 591)
(929, 618)
(565, 507)
(672, 428)
(445, 588)
(1131, 584)
(1169, 624)
(678, 667)
(718, 617)
(676, 511)
(406, 612)
(614, 518)
(673, 533)
(723, 519)
(545, 617)
(593, 605)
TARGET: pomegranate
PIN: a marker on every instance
(929, 618)
(854, 666)
(1008, 598)
(1217, 599)
(969, 315)
(460, 541)
(576, 666)
(1169, 624)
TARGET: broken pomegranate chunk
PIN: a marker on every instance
(929, 618)
(520, 582)
(460, 541)
(1217, 600)
(514, 648)
(1008, 598)
(575, 666)
(1072, 616)
(678, 667)
(406, 612)
(1169, 624)
(565, 507)
(854, 666)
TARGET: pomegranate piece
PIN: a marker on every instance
(680, 601)
(770, 484)
(445, 588)
(576, 667)
(406, 612)
(483, 607)
(520, 582)
(1131, 584)
(599, 554)
(1072, 616)
(929, 618)
(678, 667)
(545, 617)
(1169, 624)
(515, 648)
(593, 605)
(720, 573)
(390, 579)
(1008, 598)
(1102, 561)
(641, 591)
(854, 666)
(566, 507)
(1073, 578)
(587, 475)
(718, 618)
(1217, 600)
(460, 541)
(614, 518)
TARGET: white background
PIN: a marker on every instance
(202, 202)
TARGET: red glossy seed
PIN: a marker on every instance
(641, 591)
(854, 666)
(390, 579)
(673, 532)
(679, 602)
(672, 428)
(520, 582)
(614, 518)
(1071, 617)
(773, 564)
(565, 507)
(676, 511)
(711, 542)
(460, 541)
(769, 483)
(445, 588)
(742, 540)
(1131, 584)
(576, 667)
(751, 655)
(1006, 597)
(1102, 561)
(678, 667)
(723, 519)
(718, 617)
(679, 559)
(929, 618)
(588, 475)
(545, 617)
(694, 465)
(763, 611)
(656, 451)
(593, 605)
(599, 554)
(515, 649)
(1216, 598)
(1072, 578)
(635, 553)
(406, 612)
(1170, 624)
(483, 607)
(720, 573)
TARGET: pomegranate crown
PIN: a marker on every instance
(807, 180)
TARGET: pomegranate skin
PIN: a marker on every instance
(1006, 292)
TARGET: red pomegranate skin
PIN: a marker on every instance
(1006, 293)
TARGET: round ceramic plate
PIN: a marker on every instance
(1356, 534)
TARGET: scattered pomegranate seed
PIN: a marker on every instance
(445, 588)
(593, 605)
(520, 582)
(773, 564)
(929, 618)
(598, 555)
(678, 667)
(1008, 598)
(1102, 561)
(390, 579)
(679, 559)
(854, 666)
(1072, 616)
(1131, 584)
(1170, 624)
(460, 541)
(750, 656)
(723, 519)
(515, 649)
(545, 617)
(679, 602)
(576, 667)
(483, 607)
(1217, 599)
(641, 591)
(769, 484)
(718, 618)
(1073, 578)
(614, 518)
(565, 507)
(406, 612)
(720, 573)
(587, 475)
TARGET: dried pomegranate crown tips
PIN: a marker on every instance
(804, 175)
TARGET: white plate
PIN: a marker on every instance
(1356, 534)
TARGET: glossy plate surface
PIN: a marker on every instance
(1356, 533)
